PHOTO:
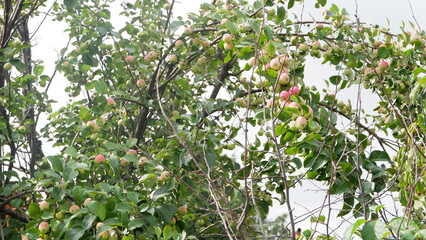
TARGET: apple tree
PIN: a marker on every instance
(193, 127)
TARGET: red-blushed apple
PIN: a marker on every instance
(165, 175)
(227, 38)
(301, 122)
(319, 26)
(293, 105)
(74, 209)
(140, 83)
(93, 126)
(188, 31)
(132, 151)
(284, 95)
(179, 43)
(275, 64)
(316, 45)
(99, 158)
(270, 103)
(205, 44)
(172, 58)
(172, 221)
(240, 102)
(368, 71)
(110, 102)
(129, 59)
(295, 90)
(153, 54)
(196, 42)
(24, 237)
(148, 58)
(182, 210)
(123, 161)
(86, 201)
(283, 78)
(43, 205)
(228, 46)
(383, 65)
(98, 225)
(378, 70)
(44, 227)
(143, 161)
(266, 67)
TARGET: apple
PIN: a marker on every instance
(140, 83)
(123, 161)
(316, 45)
(22, 128)
(147, 58)
(86, 201)
(66, 64)
(196, 69)
(110, 102)
(283, 78)
(43, 205)
(7, 66)
(285, 95)
(60, 215)
(252, 61)
(295, 90)
(132, 151)
(383, 65)
(99, 158)
(129, 59)
(103, 235)
(224, 21)
(182, 210)
(347, 72)
(196, 42)
(74, 209)
(303, 47)
(240, 102)
(266, 67)
(228, 46)
(179, 43)
(188, 31)
(269, 103)
(113, 235)
(368, 71)
(44, 227)
(166, 6)
(201, 61)
(227, 38)
(24, 237)
(98, 225)
(175, 113)
(172, 58)
(275, 64)
(293, 105)
(301, 122)
(165, 175)
(143, 161)
(378, 70)
(121, 122)
(319, 26)
(205, 44)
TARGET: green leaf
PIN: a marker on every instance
(135, 223)
(351, 229)
(167, 232)
(379, 156)
(70, 4)
(166, 211)
(335, 79)
(382, 52)
(290, 4)
(280, 15)
(71, 151)
(231, 27)
(97, 208)
(227, 58)
(88, 221)
(38, 70)
(74, 233)
(34, 211)
(124, 207)
(101, 87)
(58, 193)
(374, 230)
(57, 163)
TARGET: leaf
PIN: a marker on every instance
(88, 221)
(101, 87)
(34, 211)
(335, 79)
(351, 229)
(175, 25)
(167, 232)
(97, 208)
(74, 233)
(38, 70)
(231, 27)
(57, 163)
(382, 52)
(379, 156)
(70, 4)
(58, 193)
(280, 15)
(71, 151)
(124, 207)
(135, 223)
(166, 211)
(374, 230)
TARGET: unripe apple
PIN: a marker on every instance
(240, 102)
(303, 47)
(74, 209)
(196, 42)
(113, 235)
(172, 58)
(187, 31)
(165, 175)
(383, 65)
(7, 66)
(43, 205)
(224, 21)
(301, 122)
(166, 6)
(228, 46)
(129, 59)
(196, 69)
(44, 227)
(275, 64)
(205, 44)
(283, 78)
(103, 235)
(110, 102)
(121, 122)
(347, 72)
(140, 83)
(66, 64)
(60, 215)
(316, 45)
(227, 38)
(179, 43)
(368, 71)
(132, 151)
(378, 70)
(182, 210)
(22, 128)
(143, 161)
(284, 95)
(99, 158)
(86, 201)
(271, 11)
(295, 90)
(201, 61)
(175, 113)
(172, 221)
(252, 62)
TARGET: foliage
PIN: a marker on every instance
(187, 128)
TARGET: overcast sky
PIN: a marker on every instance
(50, 39)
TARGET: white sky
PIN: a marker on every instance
(50, 39)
